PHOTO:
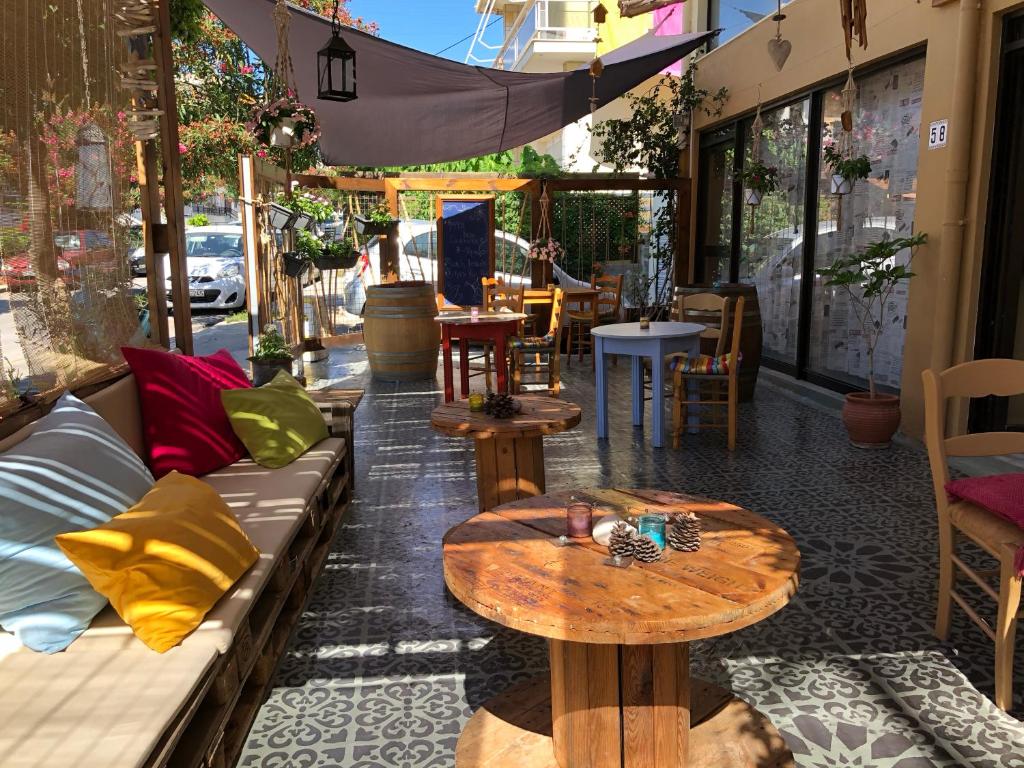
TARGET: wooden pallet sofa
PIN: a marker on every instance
(110, 701)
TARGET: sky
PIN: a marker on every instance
(426, 25)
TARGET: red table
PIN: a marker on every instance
(494, 327)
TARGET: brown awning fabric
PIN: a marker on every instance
(414, 108)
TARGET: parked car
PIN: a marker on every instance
(215, 268)
(78, 252)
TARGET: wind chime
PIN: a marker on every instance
(779, 49)
(854, 18)
(136, 22)
(596, 66)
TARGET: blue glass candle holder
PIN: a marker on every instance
(653, 526)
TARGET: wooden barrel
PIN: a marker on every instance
(402, 338)
(751, 335)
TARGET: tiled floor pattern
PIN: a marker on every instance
(386, 667)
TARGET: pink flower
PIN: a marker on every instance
(247, 69)
(65, 173)
(261, 153)
(182, 149)
(224, 67)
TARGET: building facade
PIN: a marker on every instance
(939, 88)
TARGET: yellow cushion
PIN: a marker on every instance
(165, 562)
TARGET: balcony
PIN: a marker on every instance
(564, 23)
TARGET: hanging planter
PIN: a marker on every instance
(286, 123)
(841, 185)
(336, 256)
(758, 180)
(377, 222)
(752, 196)
(845, 170)
(294, 264)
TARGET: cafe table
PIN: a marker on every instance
(619, 693)
(465, 326)
(655, 342)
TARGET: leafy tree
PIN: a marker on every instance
(219, 82)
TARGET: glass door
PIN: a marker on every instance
(715, 205)
(1001, 307)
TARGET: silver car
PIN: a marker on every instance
(216, 275)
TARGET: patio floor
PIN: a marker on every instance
(386, 667)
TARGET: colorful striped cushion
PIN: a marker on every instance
(703, 364)
(531, 342)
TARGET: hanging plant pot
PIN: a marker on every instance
(368, 227)
(294, 265)
(841, 185)
(325, 262)
(283, 133)
(752, 196)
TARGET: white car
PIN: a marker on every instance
(216, 276)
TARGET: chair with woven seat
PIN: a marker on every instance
(591, 313)
(498, 296)
(684, 308)
(709, 373)
(996, 535)
(548, 345)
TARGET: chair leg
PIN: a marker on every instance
(554, 374)
(1006, 631)
(733, 395)
(678, 413)
(947, 576)
(516, 366)
(568, 345)
(487, 366)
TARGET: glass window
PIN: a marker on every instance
(213, 245)
(771, 245)
(887, 124)
(716, 158)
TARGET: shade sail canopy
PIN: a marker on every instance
(414, 108)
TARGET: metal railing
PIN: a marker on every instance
(565, 20)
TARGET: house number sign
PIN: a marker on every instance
(937, 134)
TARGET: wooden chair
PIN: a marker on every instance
(549, 345)
(717, 337)
(498, 296)
(589, 314)
(710, 372)
(997, 536)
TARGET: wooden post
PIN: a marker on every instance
(682, 236)
(390, 270)
(156, 285)
(174, 207)
(251, 249)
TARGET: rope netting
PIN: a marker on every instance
(67, 173)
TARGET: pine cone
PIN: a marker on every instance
(646, 550)
(622, 541)
(499, 406)
(684, 532)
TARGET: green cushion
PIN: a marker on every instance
(277, 422)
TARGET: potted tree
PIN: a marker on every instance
(758, 180)
(845, 170)
(377, 221)
(869, 278)
(272, 355)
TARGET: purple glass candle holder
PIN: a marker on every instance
(579, 519)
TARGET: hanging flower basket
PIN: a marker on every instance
(369, 227)
(294, 264)
(285, 123)
(841, 185)
(546, 249)
(752, 196)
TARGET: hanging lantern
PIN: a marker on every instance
(336, 63)
(92, 171)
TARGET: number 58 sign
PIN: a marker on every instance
(937, 133)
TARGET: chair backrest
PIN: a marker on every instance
(557, 305)
(710, 302)
(503, 297)
(737, 328)
(609, 301)
(979, 378)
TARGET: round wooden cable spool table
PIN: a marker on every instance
(619, 694)
(509, 452)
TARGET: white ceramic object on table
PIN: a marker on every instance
(603, 528)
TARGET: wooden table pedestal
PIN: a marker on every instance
(611, 706)
(508, 469)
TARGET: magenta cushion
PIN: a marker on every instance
(186, 427)
(1002, 495)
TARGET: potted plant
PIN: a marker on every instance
(638, 292)
(272, 355)
(869, 278)
(758, 180)
(337, 254)
(285, 122)
(377, 221)
(845, 170)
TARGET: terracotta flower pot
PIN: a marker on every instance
(871, 421)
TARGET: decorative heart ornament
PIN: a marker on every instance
(779, 50)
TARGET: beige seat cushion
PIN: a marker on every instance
(99, 705)
(987, 528)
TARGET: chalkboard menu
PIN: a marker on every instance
(465, 235)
